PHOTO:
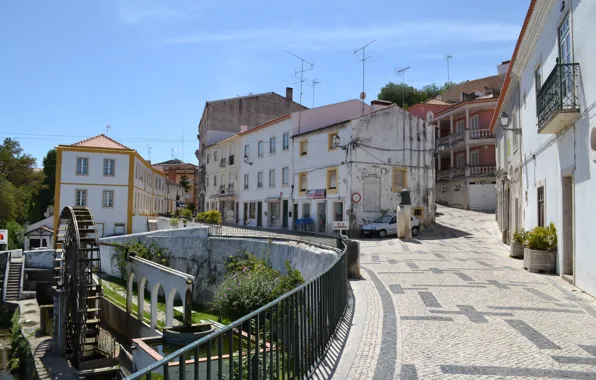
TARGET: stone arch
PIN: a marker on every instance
(154, 299)
(188, 307)
(129, 285)
(141, 300)
(171, 296)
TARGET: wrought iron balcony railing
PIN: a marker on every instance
(231, 160)
(230, 188)
(557, 103)
(222, 163)
(222, 189)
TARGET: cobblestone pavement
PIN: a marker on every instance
(452, 305)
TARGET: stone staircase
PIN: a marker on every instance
(13, 280)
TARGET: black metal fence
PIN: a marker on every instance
(559, 92)
(285, 339)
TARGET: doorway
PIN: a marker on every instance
(322, 215)
(238, 212)
(259, 214)
(568, 228)
(295, 214)
(284, 214)
(245, 213)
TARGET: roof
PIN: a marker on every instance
(508, 75)
(270, 122)
(482, 99)
(39, 229)
(101, 141)
(175, 161)
(453, 94)
(432, 102)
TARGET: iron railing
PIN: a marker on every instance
(231, 159)
(285, 339)
(457, 138)
(444, 142)
(222, 163)
(558, 93)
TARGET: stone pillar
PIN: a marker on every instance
(404, 222)
(451, 124)
(59, 338)
(353, 258)
(467, 154)
(452, 161)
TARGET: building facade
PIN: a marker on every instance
(175, 170)
(554, 74)
(114, 181)
(466, 150)
(223, 118)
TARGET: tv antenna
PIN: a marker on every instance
(314, 82)
(363, 60)
(402, 72)
(107, 129)
(182, 145)
(172, 153)
(447, 58)
(149, 152)
(301, 71)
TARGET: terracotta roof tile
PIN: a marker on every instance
(482, 99)
(437, 102)
(101, 141)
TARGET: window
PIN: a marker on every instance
(306, 210)
(271, 177)
(331, 180)
(474, 122)
(286, 141)
(538, 78)
(215, 156)
(284, 175)
(459, 126)
(330, 144)
(302, 183)
(252, 210)
(247, 151)
(206, 181)
(208, 157)
(400, 179)
(81, 197)
(259, 180)
(338, 211)
(303, 147)
(221, 178)
(118, 228)
(565, 42)
(246, 182)
(260, 149)
(82, 166)
(272, 145)
(231, 177)
(541, 206)
(214, 180)
(108, 198)
(460, 161)
(418, 211)
(474, 158)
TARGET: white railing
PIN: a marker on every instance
(458, 172)
(457, 138)
(444, 141)
(480, 171)
(444, 174)
(476, 134)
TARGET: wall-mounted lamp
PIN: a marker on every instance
(246, 160)
(505, 122)
(336, 141)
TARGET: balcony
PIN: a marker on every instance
(444, 142)
(557, 103)
(481, 171)
(231, 160)
(444, 174)
(222, 189)
(480, 134)
(222, 163)
(469, 171)
(230, 188)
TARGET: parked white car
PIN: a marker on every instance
(387, 225)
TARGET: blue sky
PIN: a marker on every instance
(146, 67)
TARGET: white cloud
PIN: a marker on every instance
(401, 34)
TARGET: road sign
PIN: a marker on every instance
(3, 236)
(341, 225)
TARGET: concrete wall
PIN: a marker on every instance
(122, 323)
(39, 258)
(326, 115)
(449, 195)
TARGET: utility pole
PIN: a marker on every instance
(182, 146)
(403, 80)
(363, 60)
(301, 71)
(447, 58)
(314, 83)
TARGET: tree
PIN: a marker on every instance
(405, 96)
(185, 183)
(46, 195)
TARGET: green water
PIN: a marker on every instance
(165, 349)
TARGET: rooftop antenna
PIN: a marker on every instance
(172, 150)
(107, 129)
(403, 80)
(447, 58)
(314, 82)
(182, 145)
(149, 152)
(301, 71)
(363, 60)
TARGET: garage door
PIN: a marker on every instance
(483, 197)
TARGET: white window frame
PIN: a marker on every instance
(271, 177)
(286, 141)
(246, 181)
(78, 198)
(474, 156)
(272, 143)
(107, 202)
(84, 169)
(107, 173)
(460, 125)
(260, 149)
(247, 151)
(285, 175)
(215, 156)
(457, 160)
(474, 122)
(260, 180)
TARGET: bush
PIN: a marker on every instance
(21, 359)
(543, 238)
(152, 252)
(174, 222)
(201, 217)
(213, 217)
(186, 214)
(521, 237)
(250, 284)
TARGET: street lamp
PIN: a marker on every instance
(336, 141)
(505, 122)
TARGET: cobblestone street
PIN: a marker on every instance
(451, 304)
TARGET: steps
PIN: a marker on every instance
(13, 282)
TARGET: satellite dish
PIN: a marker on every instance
(429, 116)
(362, 95)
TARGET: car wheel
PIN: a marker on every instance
(382, 234)
(415, 231)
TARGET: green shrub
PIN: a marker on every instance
(152, 252)
(201, 217)
(250, 284)
(186, 214)
(174, 222)
(521, 237)
(543, 238)
(21, 359)
(213, 217)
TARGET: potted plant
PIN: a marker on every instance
(541, 251)
(518, 244)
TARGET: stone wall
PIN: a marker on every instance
(39, 258)
(117, 320)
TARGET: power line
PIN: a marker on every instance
(363, 60)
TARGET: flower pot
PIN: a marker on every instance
(539, 261)
(516, 250)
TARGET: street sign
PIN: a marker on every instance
(341, 225)
(3, 236)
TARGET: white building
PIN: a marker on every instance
(40, 234)
(551, 92)
(114, 181)
(222, 170)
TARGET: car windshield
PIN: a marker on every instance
(384, 219)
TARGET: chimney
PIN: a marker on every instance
(289, 93)
(378, 104)
(503, 67)
(243, 128)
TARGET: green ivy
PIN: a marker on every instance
(21, 359)
(151, 252)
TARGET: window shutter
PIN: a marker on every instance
(399, 179)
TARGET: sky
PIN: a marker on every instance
(69, 68)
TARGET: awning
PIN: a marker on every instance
(316, 194)
(272, 199)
